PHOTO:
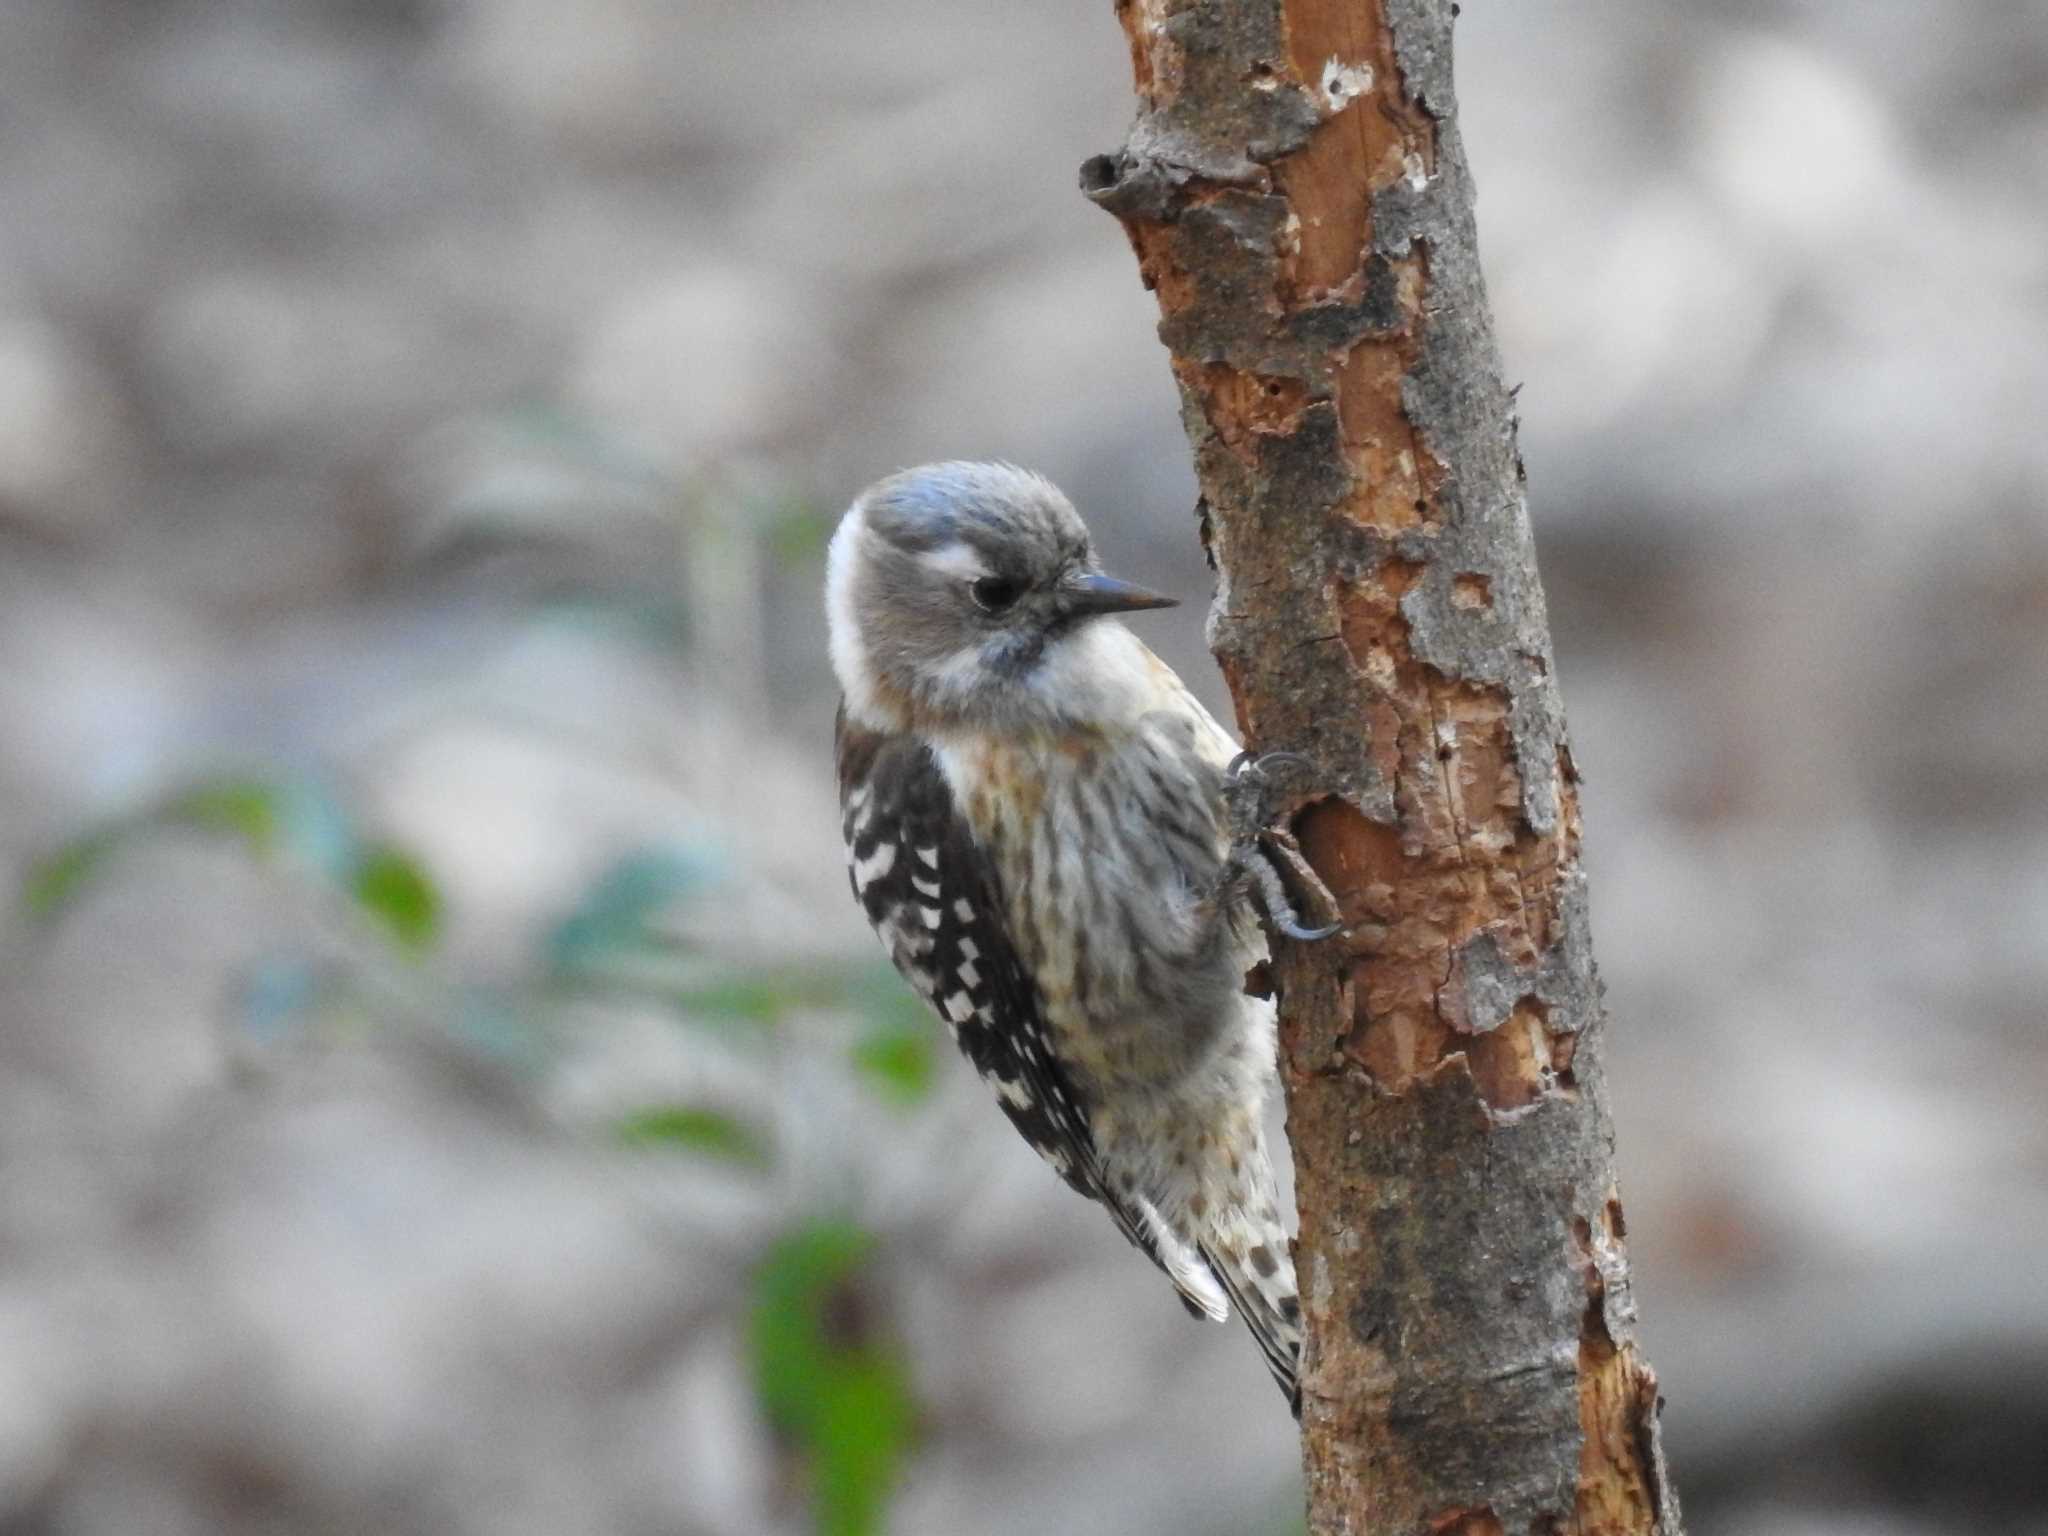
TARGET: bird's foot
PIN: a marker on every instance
(1260, 850)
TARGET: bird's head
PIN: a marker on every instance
(969, 594)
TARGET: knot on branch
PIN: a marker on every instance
(1151, 176)
(1133, 187)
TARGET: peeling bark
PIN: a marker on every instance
(1298, 198)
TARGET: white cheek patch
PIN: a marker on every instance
(1098, 671)
(958, 559)
(959, 673)
(849, 657)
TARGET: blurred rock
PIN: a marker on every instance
(56, 426)
(706, 365)
(367, 1290)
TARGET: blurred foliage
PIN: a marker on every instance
(696, 1129)
(827, 1377)
(575, 438)
(798, 530)
(53, 879)
(292, 819)
(898, 1061)
(618, 913)
(897, 1051)
(243, 808)
(395, 891)
(615, 941)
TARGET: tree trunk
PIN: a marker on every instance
(1298, 198)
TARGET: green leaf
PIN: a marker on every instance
(747, 999)
(392, 888)
(294, 821)
(246, 808)
(55, 878)
(787, 1330)
(862, 1432)
(901, 1062)
(697, 1130)
(827, 1377)
(897, 1052)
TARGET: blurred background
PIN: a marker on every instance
(444, 1086)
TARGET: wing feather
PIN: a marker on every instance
(935, 899)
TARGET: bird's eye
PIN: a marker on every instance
(992, 594)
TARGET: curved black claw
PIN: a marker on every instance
(1295, 931)
(1279, 906)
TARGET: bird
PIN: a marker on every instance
(1043, 825)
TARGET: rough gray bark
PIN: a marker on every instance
(1298, 198)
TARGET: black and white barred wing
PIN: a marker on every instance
(934, 899)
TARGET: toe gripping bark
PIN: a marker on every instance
(1260, 849)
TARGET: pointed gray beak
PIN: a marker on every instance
(1092, 592)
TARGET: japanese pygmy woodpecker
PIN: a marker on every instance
(1038, 824)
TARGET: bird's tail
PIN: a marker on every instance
(1258, 1277)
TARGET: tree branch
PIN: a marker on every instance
(1297, 195)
